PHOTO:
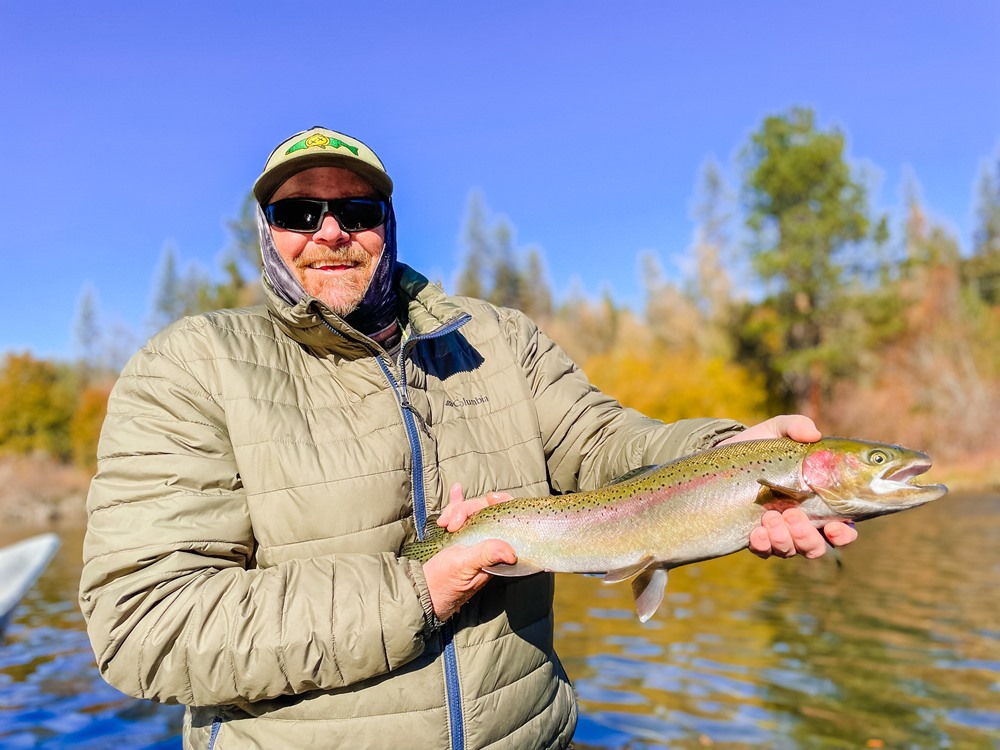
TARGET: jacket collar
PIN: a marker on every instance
(311, 323)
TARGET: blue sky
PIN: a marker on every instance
(128, 127)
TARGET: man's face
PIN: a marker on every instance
(332, 265)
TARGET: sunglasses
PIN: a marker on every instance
(306, 214)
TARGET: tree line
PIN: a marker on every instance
(817, 307)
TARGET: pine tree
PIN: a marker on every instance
(982, 271)
(86, 332)
(168, 299)
(806, 210)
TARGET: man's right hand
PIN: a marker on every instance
(456, 573)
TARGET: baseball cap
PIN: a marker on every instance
(320, 147)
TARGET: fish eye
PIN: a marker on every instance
(877, 457)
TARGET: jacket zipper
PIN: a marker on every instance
(214, 736)
(453, 687)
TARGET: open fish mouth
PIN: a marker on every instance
(901, 483)
(907, 474)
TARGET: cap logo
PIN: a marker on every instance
(320, 141)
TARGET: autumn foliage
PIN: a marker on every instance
(818, 308)
(45, 411)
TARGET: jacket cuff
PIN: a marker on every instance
(731, 430)
(432, 623)
(704, 433)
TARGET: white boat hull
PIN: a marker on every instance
(20, 566)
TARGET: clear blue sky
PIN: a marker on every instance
(127, 127)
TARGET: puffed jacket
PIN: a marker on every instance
(259, 472)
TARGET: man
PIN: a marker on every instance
(260, 470)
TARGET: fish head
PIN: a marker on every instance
(858, 479)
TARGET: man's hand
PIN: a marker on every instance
(790, 533)
(794, 426)
(456, 573)
(458, 509)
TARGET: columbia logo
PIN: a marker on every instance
(467, 401)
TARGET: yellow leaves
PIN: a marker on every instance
(44, 411)
(35, 406)
(85, 426)
(672, 384)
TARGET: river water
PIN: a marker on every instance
(897, 648)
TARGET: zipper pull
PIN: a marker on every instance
(404, 401)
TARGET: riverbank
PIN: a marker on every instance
(974, 472)
(35, 490)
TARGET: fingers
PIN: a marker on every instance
(451, 514)
(839, 534)
(798, 427)
(456, 573)
(790, 532)
(458, 510)
(794, 426)
(772, 537)
(495, 552)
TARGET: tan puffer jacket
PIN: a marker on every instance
(259, 471)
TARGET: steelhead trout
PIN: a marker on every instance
(695, 508)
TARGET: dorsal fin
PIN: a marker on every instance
(634, 474)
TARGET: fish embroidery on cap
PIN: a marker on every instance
(320, 141)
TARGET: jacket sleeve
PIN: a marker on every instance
(176, 611)
(590, 438)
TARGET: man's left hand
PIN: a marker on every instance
(790, 532)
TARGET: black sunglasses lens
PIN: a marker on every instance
(296, 214)
(356, 214)
(306, 214)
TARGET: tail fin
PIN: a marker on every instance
(435, 539)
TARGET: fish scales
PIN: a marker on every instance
(641, 517)
(698, 507)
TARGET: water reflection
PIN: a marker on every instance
(900, 649)
(51, 695)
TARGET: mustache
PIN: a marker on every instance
(346, 256)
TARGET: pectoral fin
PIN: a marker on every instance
(771, 493)
(648, 588)
(520, 568)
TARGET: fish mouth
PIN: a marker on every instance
(900, 481)
(907, 474)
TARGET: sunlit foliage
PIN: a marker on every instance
(36, 405)
(670, 384)
(85, 426)
(888, 335)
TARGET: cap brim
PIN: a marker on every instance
(270, 181)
